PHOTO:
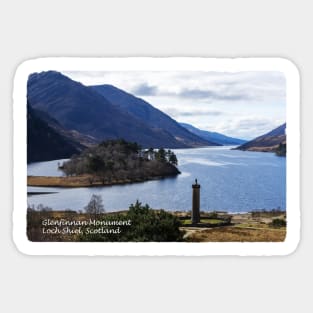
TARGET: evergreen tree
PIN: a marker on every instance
(161, 155)
(173, 158)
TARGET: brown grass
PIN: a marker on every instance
(237, 234)
(245, 228)
(71, 181)
(263, 149)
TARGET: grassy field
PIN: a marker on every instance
(247, 227)
(203, 221)
(237, 234)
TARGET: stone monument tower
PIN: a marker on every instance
(195, 213)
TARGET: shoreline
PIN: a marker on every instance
(84, 181)
(271, 149)
(35, 193)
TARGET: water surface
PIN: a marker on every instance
(231, 180)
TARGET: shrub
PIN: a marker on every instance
(278, 222)
(213, 215)
(146, 225)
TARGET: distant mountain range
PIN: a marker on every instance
(156, 119)
(65, 116)
(270, 142)
(87, 111)
(218, 138)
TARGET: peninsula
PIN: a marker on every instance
(109, 163)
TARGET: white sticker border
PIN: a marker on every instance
(157, 64)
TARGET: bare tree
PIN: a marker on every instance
(95, 205)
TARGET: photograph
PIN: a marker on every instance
(192, 156)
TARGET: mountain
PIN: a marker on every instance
(273, 141)
(213, 136)
(79, 140)
(44, 143)
(155, 118)
(82, 109)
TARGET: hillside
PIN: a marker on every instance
(78, 139)
(218, 138)
(82, 109)
(273, 141)
(144, 111)
(44, 143)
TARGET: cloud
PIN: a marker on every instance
(213, 95)
(242, 104)
(257, 123)
(145, 90)
(246, 127)
(174, 112)
(196, 94)
(194, 85)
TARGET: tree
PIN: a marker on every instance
(152, 225)
(173, 158)
(146, 225)
(117, 160)
(108, 172)
(278, 222)
(95, 205)
(168, 154)
(95, 163)
(161, 155)
(281, 150)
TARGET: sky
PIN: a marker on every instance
(239, 104)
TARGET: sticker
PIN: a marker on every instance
(156, 156)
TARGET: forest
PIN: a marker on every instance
(114, 160)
